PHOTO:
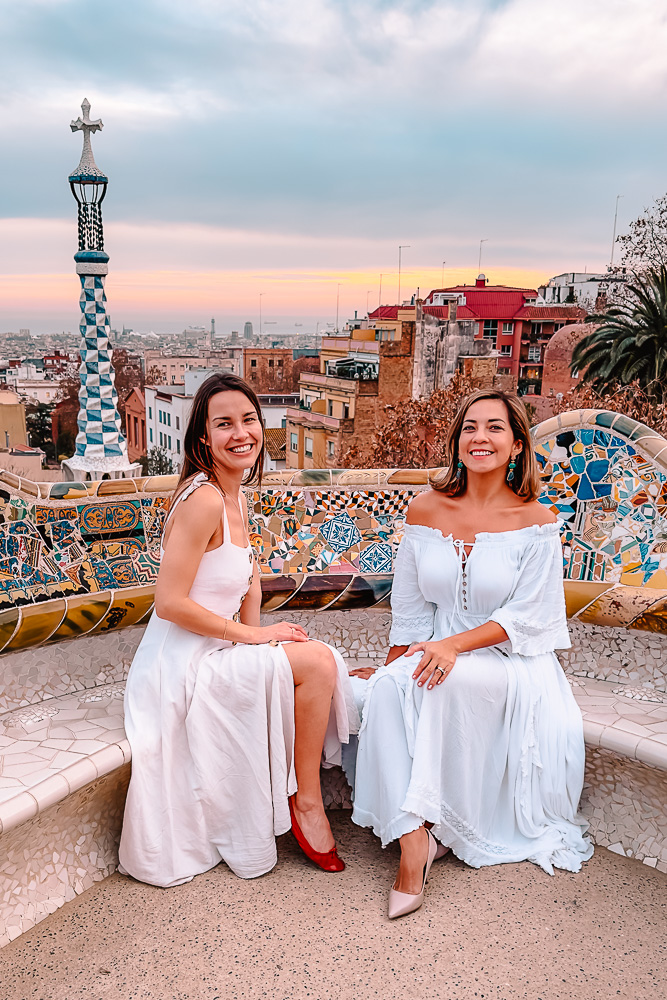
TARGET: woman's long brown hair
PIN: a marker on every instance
(526, 482)
(197, 455)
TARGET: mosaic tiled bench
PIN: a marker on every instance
(66, 764)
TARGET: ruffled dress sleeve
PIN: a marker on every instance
(534, 614)
(413, 616)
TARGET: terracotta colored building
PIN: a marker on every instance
(557, 378)
(277, 369)
(135, 424)
(339, 410)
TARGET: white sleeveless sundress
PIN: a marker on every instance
(211, 728)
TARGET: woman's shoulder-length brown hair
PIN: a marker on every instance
(197, 455)
(526, 482)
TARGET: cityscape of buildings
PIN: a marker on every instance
(320, 395)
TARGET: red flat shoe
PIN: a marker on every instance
(328, 861)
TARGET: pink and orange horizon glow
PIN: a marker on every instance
(177, 298)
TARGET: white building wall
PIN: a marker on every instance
(167, 416)
(38, 390)
(274, 416)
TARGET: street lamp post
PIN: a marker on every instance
(405, 246)
(337, 302)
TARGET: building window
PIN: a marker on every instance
(309, 448)
(280, 362)
(331, 448)
(270, 362)
(253, 362)
(506, 350)
(536, 329)
(169, 419)
(508, 329)
(169, 439)
(178, 446)
(557, 326)
(150, 434)
(178, 424)
(534, 352)
(491, 328)
(294, 442)
(150, 412)
(160, 438)
(159, 416)
(330, 408)
(346, 410)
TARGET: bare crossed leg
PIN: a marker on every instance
(315, 671)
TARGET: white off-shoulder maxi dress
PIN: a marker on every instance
(494, 756)
(211, 728)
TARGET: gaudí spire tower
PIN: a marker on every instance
(100, 446)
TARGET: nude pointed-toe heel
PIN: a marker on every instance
(402, 903)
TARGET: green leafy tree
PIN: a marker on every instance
(630, 345)
(38, 425)
(158, 462)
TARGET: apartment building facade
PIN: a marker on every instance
(167, 411)
(340, 405)
(135, 424)
(513, 322)
(171, 369)
(277, 369)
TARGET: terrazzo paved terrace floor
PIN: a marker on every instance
(507, 932)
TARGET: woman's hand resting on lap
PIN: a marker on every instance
(364, 672)
(436, 663)
(282, 632)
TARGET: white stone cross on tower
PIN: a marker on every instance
(87, 165)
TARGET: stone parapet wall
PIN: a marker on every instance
(60, 853)
(611, 653)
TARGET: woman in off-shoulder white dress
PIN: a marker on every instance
(472, 726)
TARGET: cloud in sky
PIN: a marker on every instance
(287, 137)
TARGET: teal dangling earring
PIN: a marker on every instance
(459, 469)
(510, 471)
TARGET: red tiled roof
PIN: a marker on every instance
(384, 312)
(551, 313)
(442, 312)
(485, 288)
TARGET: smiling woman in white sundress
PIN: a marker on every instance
(227, 720)
(471, 738)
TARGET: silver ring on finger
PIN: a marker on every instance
(441, 670)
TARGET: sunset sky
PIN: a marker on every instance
(286, 147)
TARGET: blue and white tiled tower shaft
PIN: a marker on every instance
(100, 437)
(100, 446)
